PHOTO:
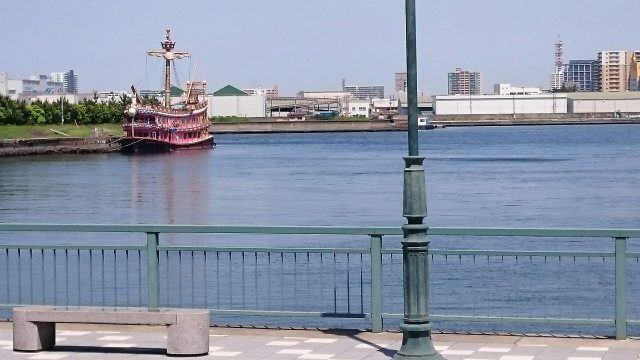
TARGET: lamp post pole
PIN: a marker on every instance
(416, 326)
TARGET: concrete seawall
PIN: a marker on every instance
(307, 126)
(18, 147)
(257, 127)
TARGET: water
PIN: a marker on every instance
(555, 176)
(542, 176)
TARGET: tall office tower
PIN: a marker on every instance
(634, 71)
(557, 78)
(366, 92)
(584, 75)
(401, 82)
(69, 80)
(462, 82)
(614, 71)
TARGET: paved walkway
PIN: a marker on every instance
(148, 342)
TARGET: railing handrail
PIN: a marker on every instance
(375, 249)
(323, 230)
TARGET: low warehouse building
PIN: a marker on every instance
(604, 103)
(230, 101)
(500, 104)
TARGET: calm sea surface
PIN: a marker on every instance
(546, 176)
(538, 176)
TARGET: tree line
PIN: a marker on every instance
(88, 111)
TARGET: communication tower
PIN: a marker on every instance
(559, 53)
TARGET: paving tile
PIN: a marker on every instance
(321, 340)
(494, 349)
(592, 348)
(283, 343)
(622, 353)
(114, 338)
(317, 356)
(295, 351)
(516, 357)
(48, 356)
(225, 353)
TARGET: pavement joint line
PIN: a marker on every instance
(114, 338)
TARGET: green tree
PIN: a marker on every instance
(36, 114)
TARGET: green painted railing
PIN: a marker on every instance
(27, 265)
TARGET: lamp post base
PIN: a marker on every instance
(416, 343)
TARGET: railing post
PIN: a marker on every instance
(621, 288)
(153, 271)
(376, 283)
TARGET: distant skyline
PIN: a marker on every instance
(308, 45)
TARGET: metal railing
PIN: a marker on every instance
(468, 286)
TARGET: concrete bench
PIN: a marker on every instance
(34, 327)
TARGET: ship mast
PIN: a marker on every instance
(169, 55)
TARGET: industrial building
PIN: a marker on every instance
(604, 103)
(360, 108)
(500, 104)
(231, 101)
(33, 86)
(462, 82)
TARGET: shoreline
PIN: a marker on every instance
(101, 145)
(55, 146)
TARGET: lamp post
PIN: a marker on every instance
(416, 326)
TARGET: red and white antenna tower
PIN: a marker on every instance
(559, 53)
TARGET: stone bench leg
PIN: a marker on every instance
(32, 336)
(189, 335)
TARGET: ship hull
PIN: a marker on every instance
(134, 145)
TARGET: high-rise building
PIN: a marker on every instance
(401, 82)
(70, 81)
(584, 75)
(634, 71)
(462, 82)
(366, 92)
(57, 77)
(614, 74)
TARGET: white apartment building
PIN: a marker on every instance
(614, 71)
(57, 77)
(508, 89)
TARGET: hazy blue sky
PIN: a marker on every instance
(308, 44)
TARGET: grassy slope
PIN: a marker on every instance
(36, 131)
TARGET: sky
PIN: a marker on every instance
(307, 44)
